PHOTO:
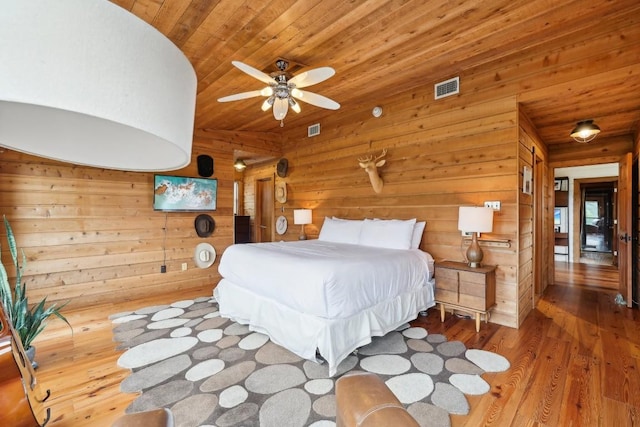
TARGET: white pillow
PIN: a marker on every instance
(340, 230)
(417, 234)
(391, 233)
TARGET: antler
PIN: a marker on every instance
(371, 159)
(365, 159)
(384, 153)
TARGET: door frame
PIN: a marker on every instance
(635, 230)
(263, 183)
(576, 219)
(625, 261)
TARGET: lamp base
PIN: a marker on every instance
(302, 236)
(474, 252)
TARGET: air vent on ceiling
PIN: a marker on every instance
(447, 88)
(313, 130)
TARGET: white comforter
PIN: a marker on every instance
(319, 297)
(325, 279)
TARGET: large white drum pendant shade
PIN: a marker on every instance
(87, 82)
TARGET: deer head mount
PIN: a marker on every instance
(371, 165)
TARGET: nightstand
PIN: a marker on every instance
(464, 288)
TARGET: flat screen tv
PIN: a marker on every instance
(181, 193)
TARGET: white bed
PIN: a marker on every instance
(323, 297)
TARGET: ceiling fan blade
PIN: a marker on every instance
(280, 108)
(312, 77)
(315, 99)
(239, 96)
(254, 72)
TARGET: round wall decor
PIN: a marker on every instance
(281, 224)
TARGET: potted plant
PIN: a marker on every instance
(28, 321)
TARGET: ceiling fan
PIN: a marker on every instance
(283, 90)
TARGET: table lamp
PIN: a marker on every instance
(474, 220)
(302, 217)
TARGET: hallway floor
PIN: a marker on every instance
(587, 275)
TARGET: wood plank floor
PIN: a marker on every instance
(574, 362)
(589, 275)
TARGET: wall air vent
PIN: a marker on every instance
(447, 88)
(313, 130)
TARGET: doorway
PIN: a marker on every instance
(579, 222)
(597, 223)
(264, 209)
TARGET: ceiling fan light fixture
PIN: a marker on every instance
(239, 165)
(280, 108)
(294, 105)
(268, 103)
(585, 131)
(283, 88)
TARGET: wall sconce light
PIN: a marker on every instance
(585, 131)
(302, 217)
(474, 220)
(239, 165)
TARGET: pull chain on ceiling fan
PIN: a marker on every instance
(283, 90)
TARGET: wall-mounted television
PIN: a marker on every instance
(181, 193)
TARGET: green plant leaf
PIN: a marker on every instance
(27, 321)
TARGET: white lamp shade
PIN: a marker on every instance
(473, 219)
(302, 216)
(87, 82)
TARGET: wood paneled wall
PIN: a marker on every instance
(535, 219)
(438, 158)
(91, 235)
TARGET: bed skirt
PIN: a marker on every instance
(304, 335)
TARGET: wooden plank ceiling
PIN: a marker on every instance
(382, 47)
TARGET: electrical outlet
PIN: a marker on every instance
(495, 205)
(163, 269)
(184, 266)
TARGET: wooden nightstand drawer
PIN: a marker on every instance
(472, 278)
(443, 295)
(474, 302)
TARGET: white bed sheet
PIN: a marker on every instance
(302, 332)
(325, 279)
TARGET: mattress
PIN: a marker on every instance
(325, 279)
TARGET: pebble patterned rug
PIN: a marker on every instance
(211, 371)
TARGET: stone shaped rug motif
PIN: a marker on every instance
(211, 371)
